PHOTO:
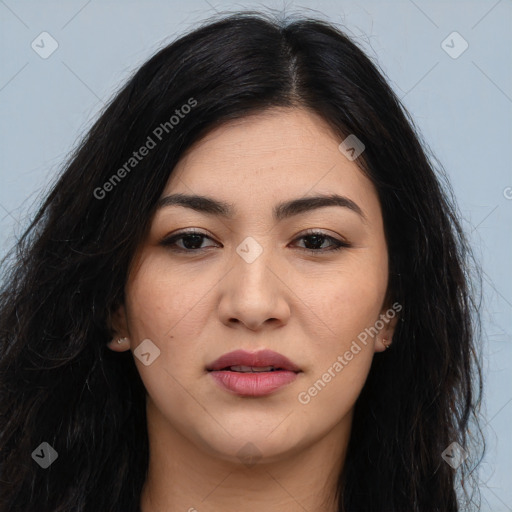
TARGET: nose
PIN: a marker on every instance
(254, 294)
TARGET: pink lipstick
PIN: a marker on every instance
(253, 373)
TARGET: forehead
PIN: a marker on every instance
(288, 133)
(275, 154)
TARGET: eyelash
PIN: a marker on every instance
(170, 242)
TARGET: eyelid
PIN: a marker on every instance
(320, 231)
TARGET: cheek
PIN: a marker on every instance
(341, 362)
(165, 307)
(350, 300)
(349, 304)
(165, 303)
(328, 398)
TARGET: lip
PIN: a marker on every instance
(261, 358)
(253, 384)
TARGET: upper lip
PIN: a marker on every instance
(256, 359)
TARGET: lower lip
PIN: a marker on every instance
(253, 384)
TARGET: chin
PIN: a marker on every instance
(249, 444)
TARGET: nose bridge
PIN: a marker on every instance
(251, 293)
(251, 261)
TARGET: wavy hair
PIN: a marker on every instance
(60, 384)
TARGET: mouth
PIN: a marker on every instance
(262, 361)
(250, 369)
(253, 374)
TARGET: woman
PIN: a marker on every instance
(246, 291)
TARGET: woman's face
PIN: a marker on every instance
(249, 283)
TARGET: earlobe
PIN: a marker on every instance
(118, 325)
(382, 343)
(385, 337)
(386, 342)
(119, 344)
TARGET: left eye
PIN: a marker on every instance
(317, 238)
(192, 241)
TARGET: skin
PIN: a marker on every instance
(308, 306)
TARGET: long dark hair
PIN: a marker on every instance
(60, 384)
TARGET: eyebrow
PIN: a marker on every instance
(210, 206)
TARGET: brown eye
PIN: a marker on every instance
(316, 239)
(191, 241)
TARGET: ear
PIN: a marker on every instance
(119, 329)
(389, 317)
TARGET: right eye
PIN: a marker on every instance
(191, 240)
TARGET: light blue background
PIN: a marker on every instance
(462, 106)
